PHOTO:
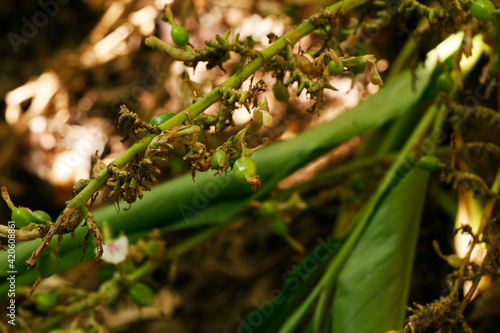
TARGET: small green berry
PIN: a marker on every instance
(430, 163)
(281, 92)
(141, 294)
(46, 302)
(180, 36)
(244, 168)
(219, 160)
(336, 68)
(161, 118)
(444, 82)
(47, 262)
(41, 217)
(482, 10)
(21, 216)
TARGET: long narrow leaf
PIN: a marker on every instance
(372, 288)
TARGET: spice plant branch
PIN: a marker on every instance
(133, 172)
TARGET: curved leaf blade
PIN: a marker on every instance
(372, 288)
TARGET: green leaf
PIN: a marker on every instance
(182, 203)
(372, 288)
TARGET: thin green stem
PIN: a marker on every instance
(167, 14)
(357, 165)
(403, 58)
(203, 103)
(93, 299)
(144, 269)
(174, 52)
(323, 304)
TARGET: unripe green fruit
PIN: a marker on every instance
(57, 330)
(430, 163)
(281, 92)
(483, 10)
(141, 294)
(219, 159)
(47, 262)
(444, 82)
(46, 302)
(41, 217)
(336, 68)
(21, 216)
(180, 35)
(244, 168)
(161, 118)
